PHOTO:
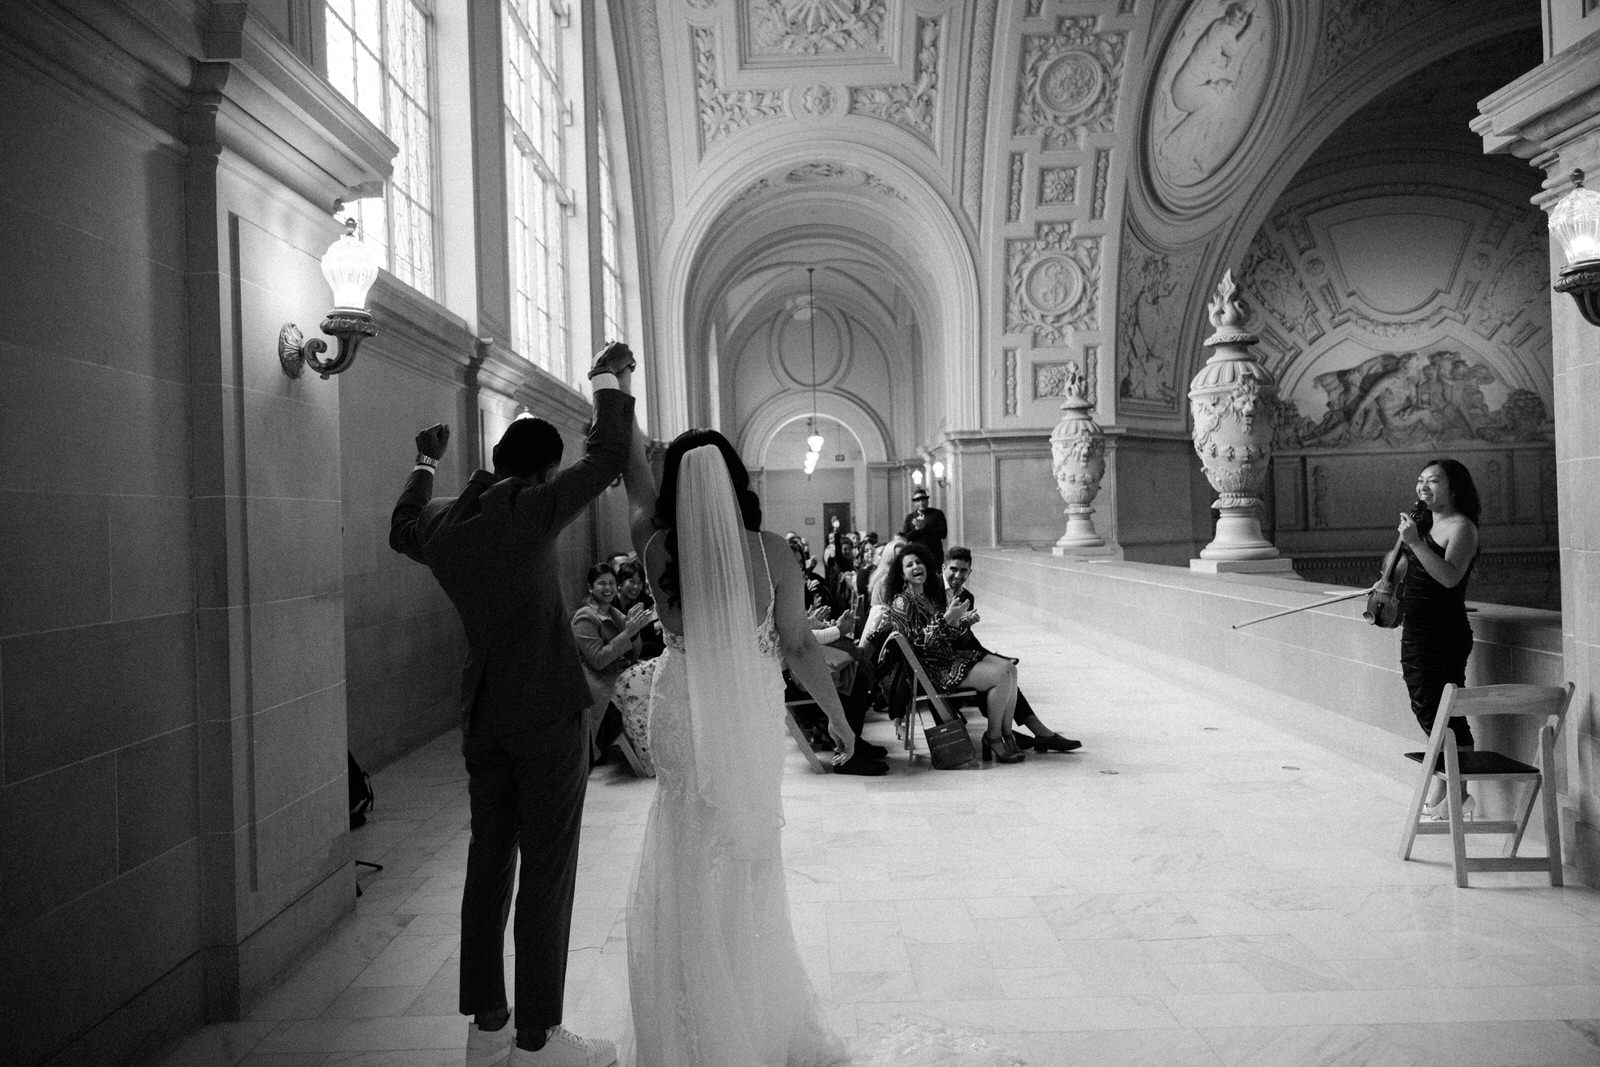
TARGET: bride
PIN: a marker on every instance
(715, 978)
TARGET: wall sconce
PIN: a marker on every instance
(1575, 223)
(350, 268)
(938, 472)
(916, 477)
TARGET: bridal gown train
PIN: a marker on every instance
(715, 978)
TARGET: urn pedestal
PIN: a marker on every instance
(1078, 461)
(1234, 405)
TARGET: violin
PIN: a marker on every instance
(1386, 606)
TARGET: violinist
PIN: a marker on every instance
(1435, 638)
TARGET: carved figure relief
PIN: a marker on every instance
(815, 27)
(726, 111)
(1058, 185)
(1069, 82)
(1210, 86)
(1147, 330)
(1052, 283)
(1406, 399)
(911, 106)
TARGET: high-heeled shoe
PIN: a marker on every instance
(1440, 812)
(1004, 750)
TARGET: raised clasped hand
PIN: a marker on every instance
(615, 358)
(431, 442)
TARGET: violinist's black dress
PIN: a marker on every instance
(1435, 640)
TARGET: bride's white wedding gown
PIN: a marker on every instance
(714, 975)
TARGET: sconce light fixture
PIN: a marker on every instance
(1575, 223)
(938, 472)
(916, 477)
(350, 268)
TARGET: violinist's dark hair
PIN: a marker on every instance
(1462, 488)
(666, 517)
(932, 586)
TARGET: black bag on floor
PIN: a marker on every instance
(360, 792)
(949, 745)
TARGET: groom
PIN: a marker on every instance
(493, 550)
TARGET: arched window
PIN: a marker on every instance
(380, 56)
(537, 114)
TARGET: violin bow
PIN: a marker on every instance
(1303, 607)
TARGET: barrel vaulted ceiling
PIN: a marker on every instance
(982, 188)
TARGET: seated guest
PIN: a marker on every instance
(850, 586)
(854, 678)
(877, 584)
(607, 643)
(917, 609)
(957, 569)
(631, 590)
(817, 594)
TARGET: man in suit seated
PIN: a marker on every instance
(957, 569)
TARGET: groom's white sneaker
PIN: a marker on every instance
(489, 1048)
(563, 1048)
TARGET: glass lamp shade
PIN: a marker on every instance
(350, 268)
(1575, 223)
(811, 462)
(814, 442)
(916, 477)
(938, 470)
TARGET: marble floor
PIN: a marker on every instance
(1193, 887)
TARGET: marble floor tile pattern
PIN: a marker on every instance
(1194, 886)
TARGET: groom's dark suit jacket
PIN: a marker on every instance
(493, 549)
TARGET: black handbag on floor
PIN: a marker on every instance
(949, 745)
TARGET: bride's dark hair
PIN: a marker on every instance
(667, 499)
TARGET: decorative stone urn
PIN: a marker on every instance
(1234, 402)
(1078, 461)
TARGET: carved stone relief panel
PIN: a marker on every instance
(820, 173)
(1050, 376)
(1069, 82)
(1150, 308)
(1058, 185)
(1052, 283)
(911, 106)
(789, 28)
(726, 111)
(1009, 401)
(1014, 196)
(1102, 177)
(1206, 96)
(1352, 27)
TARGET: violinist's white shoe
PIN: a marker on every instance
(1440, 812)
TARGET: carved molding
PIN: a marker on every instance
(1009, 400)
(1014, 199)
(1275, 286)
(1052, 283)
(818, 100)
(787, 28)
(1069, 82)
(726, 111)
(910, 106)
(981, 59)
(821, 173)
(1351, 28)
(1058, 185)
(1102, 178)
(1051, 377)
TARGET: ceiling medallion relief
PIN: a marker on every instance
(1052, 284)
(1206, 101)
(784, 29)
(910, 106)
(726, 111)
(1068, 85)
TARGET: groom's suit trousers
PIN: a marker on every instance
(529, 800)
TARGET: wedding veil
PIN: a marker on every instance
(733, 711)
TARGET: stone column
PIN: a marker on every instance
(1233, 402)
(1078, 461)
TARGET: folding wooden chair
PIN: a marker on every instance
(818, 764)
(1444, 760)
(924, 695)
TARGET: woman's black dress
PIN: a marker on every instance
(1435, 641)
